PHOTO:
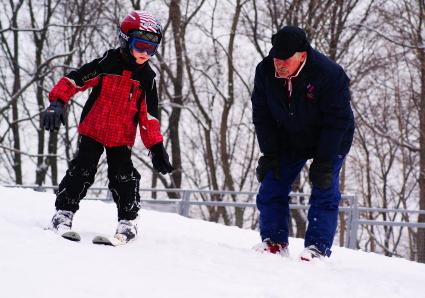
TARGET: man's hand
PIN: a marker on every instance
(160, 159)
(321, 174)
(267, 163)
(54, 115)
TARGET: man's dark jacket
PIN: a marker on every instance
(316, 122)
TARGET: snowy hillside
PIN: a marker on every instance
(175, 257)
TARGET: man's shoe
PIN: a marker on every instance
(268, 246)
(311, 252)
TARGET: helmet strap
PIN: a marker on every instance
(123, 35)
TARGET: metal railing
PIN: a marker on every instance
(184, 202)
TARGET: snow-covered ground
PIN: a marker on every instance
(175, 257)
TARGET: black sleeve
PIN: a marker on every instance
(152, 100)
(87, 72)
(265, 127)
(337, 116)
(87, 76)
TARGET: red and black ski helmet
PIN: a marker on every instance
(141, 24)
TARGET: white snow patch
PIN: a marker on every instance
(175, 257)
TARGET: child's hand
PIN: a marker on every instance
(54, 115)
(160, 159)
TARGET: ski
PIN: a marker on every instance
(71, 235)
(110, 241)
(68, 235)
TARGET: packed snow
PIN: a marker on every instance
(175, 257)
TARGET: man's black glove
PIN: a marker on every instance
(267, 163)
(160, 159)
(321, 174)
(54, 115)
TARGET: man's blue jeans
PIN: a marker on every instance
(273, 204)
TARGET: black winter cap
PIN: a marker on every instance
(287, 41)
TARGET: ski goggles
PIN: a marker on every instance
(141, 45)
(146, 35)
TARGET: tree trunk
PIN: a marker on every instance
(177, 100)
(421, 219)
(17, 159)
(52, 160)
(41, 170)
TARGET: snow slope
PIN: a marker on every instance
(175, 257)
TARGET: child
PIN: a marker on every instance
(123, 95)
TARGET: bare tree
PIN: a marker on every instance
(12, 50)
(404, 32)
(205, 70)
(40, 38)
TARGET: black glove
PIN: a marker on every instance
(321, 174)
(54, 115)
(160, 159)
(267, 163)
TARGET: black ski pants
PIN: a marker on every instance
(123, 178)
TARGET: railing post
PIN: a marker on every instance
(353, 224)
(349, 220)
(109, 195)
(184, 203)
(39, 188)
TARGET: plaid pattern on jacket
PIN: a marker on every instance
(124, 95)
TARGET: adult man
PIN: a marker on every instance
(301, 110)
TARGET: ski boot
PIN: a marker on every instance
(61, 224)
(126, 230)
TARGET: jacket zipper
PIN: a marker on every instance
(290, 105)
(291, 111)
(131, 92)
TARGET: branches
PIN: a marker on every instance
(15, 29)
(35, 78)
(388, 38)
(204, 71)
(29, 154)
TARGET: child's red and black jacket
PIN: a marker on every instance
(124, 94)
